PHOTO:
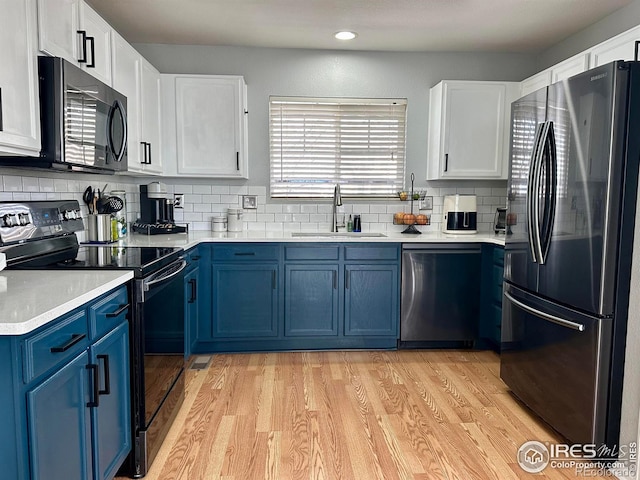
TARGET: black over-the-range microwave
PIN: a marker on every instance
(83, 122)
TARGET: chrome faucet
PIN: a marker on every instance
(337, 201)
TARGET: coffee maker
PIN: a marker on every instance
(156, 211)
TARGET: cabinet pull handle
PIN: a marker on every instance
(335, 280)
(91, 40)
(96, 385)
(1, 126)
(195, 258)
(123, 308)
(192, 297)
(149, 148)
(107, 376)
(238, 161)
(83, 34)
(144, 153)
(446, 162)
(273, 280)
(75, 338)
(346, 279)
(244, 254)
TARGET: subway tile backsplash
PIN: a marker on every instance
(206, 200)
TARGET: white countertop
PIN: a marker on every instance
(191, 239)
(31, 298)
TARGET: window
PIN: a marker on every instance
(316, 143)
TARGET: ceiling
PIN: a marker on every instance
(391, 25)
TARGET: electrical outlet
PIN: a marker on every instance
(178, 200)
(249, 202)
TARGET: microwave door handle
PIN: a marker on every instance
(119, 154)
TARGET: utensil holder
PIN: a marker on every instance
(99, 227)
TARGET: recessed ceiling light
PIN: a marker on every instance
(346, 35)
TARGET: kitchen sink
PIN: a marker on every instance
(337, 234)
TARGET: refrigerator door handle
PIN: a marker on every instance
(549, 211)
(531, 195)
(545, 316)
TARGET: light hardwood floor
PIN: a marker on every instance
(360, 415)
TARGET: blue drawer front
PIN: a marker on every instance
(371, 253)
(108, 312)
(498, 256)
(315, 252)
(55, 345)
(245, 252)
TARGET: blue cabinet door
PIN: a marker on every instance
(245, 300)
(112, 416)
(192, 299)
(311, 300)
(371, 300)
(59, 424)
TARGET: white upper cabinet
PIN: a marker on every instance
(620, 47)
(469, 129)
(150, 117)
(74, 31)
(19, 105)
(126, 80)
(563, 70)
(206, 125)
(570, 67)
(95, 44)
(58, 25)
(535, 82)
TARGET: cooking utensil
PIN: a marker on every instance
(110, 204)
(87, 198)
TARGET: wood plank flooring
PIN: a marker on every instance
(361, 415)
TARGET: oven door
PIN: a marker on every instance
(161, 336)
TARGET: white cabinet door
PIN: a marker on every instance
(126, 80)
(211, 137)
(468, 130)
(620, 47)
(97, 46)
(570, 67)
(58, 25)
(535, 82)
(19, 105)
(150, 113)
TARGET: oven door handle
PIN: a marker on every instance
(162, 278)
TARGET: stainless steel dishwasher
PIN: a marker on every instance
(440, 303)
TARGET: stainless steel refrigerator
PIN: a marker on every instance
(575, 150)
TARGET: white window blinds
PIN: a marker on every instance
(318, 142)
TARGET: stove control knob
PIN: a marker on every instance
(23, 219)
(11, 220)
(69, 215)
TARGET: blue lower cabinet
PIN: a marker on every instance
(72, 414)
(293, 296)
(111, 416)
(371, 300)
(491, 294)
(245, 300)
(59, 424)
(311, 300)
